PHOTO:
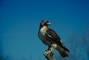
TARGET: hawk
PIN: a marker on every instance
(50, 38)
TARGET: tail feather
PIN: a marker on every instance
(62, 52)
(66, 49)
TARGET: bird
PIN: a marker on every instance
(50, 38)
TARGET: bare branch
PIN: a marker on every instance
(49, 56)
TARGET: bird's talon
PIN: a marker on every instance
(48, 51)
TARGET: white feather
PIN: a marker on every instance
(43, 30)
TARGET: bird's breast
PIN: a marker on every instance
(43, 30)
(41, 36)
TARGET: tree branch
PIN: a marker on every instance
(49, 55)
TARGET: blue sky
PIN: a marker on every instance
(19, 24)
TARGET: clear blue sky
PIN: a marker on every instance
(19, 24)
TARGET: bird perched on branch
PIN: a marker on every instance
(50, 38)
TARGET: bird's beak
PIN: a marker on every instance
(49, 23)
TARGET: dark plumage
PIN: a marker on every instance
(49, 37)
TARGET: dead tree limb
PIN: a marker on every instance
(49, 55)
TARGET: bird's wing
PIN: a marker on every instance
(52, 35)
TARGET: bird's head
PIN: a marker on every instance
(44, 23)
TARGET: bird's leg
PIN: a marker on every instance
(49, 50)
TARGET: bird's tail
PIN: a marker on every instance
(62, 51)
(65, 49)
